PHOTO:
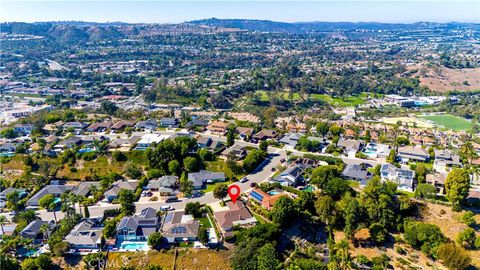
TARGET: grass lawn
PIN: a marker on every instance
(259, 218)
(204, 221)
(448, 121)
(263, 96)
(349, 101)
(220, 165)
(210, 187)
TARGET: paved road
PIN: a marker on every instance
(259, 175)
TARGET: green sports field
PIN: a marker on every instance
(448, 121)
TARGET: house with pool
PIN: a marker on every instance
(137, 228)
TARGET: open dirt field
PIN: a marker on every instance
(444, 79)
(410, 120)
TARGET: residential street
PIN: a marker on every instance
(258, 176)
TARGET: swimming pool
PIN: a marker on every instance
(86, 150)
(133, 246)
(273, 192)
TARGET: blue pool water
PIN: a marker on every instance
(86, 150)
(420, 103)
(132, 246)
(273, 192)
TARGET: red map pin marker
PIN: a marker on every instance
(234, 192)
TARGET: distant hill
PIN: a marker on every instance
(251, 25)
(307, 27)
(77, 31)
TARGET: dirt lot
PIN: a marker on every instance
(449, 224)
(444, 79)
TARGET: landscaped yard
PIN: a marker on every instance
(220, 165)
(448, 121)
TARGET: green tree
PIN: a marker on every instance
(193, 208)
(127, 202)
(325, 208)
(203, 235)
(378, 233)
(132, 171)
(48, 202)
(426, 237)
(263, 145)
(220, 191)
(230, 135)
(174, 167)
(468, 218)
(155, 240)
(425, 191)
(457, 186)
(283, 211)
(467, 238)
(322, 128)
(267, 258)
(191, 164)
(352, 217)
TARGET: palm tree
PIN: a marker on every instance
(342, 251)
(44, 229)
(3, 220)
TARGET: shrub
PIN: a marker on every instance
(453, 257)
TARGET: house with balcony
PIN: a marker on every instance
(445, 160)
(178, 227)
(402, 177)
(138, 227)
(86, 236)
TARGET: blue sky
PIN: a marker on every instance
(287, 11)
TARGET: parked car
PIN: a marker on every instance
(166, 208)
(243, 180)
(274, 169)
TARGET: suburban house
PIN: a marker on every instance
(358, 172)
(291, 176)
(23, 129)
(84, 188)
(55, 190)
(217, 127)
(86, 236)
(148, 139)
(309, 163)
(150, 124)
(244, 132)
(196, 123)
(169, 122)
(265, 199)
(138, 227)
(350, 147)
(165, 185)
(77, 127)
(445, 160)
(21, 192)
(290, 139)
(178, 227)
(265, 134)
(199, 179)
(124, 144)
(8, 148)
(437, 180)
(402, 177)
(210, 144)
(68, 143)
(408, 153)
(122, 124)
(35, 232)
(114, 190)
(236, 215)
(99, 126)
(238, 151)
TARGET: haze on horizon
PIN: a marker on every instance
(389, 11)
